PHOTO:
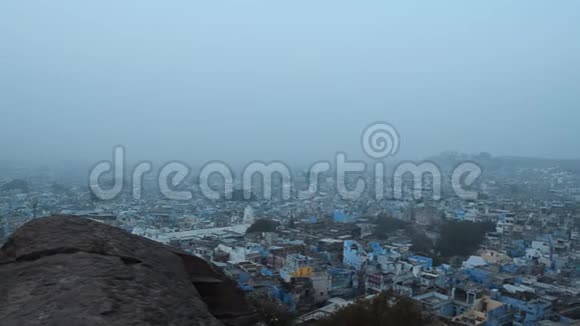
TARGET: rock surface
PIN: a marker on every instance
(67, 270)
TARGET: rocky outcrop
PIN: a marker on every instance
(67, 270)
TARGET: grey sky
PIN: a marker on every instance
(287, 80)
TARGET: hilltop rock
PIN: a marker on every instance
(68, 270)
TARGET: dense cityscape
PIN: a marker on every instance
(509, 257)
(289, 163)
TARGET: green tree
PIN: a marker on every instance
(385, 309)
(263, 225)
(421, 244)
(271, 311)
(461, 238)
(386, 225)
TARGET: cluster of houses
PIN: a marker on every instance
(321, 254)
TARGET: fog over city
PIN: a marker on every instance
(294, 81)
(290, 163)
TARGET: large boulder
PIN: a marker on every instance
(68, 270)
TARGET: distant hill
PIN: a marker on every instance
(16, 184)
(448, 160)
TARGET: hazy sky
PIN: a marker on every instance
(288, 80)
